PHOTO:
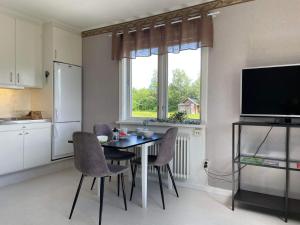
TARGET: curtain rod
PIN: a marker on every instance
(213, 14)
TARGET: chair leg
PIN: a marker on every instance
(118, 181)
(123, 189)
(101, 199)
(133, 181)
(93, 183)
(172, 178)
(112, 162)
(131, 168)
(161, 187)
(76, 196)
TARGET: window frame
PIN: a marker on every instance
(125, 85)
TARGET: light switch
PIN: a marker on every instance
(197, 131)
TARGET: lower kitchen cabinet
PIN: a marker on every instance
(37, 147)
(11, 151)
(24, 146)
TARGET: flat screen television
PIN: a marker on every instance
(271, 91)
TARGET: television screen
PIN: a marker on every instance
(271, 91)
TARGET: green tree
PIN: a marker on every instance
(145, 99)
(194, 91)
(179, 89)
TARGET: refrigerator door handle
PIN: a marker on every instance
(55, 132)
(56, 114)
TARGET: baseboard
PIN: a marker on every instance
(218, 191)
(24, 175)
(195, 186)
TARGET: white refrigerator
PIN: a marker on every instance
(67, 108)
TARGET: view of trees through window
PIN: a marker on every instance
(183, 85)
(144, 86)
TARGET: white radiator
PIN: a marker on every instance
(181, 160)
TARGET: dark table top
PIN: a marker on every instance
(131, 141)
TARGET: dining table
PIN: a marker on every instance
(133, 140)
(130, 141)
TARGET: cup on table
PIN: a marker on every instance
(102, 138)
(139, 131)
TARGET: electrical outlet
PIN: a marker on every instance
(205, 164)
(197, 131)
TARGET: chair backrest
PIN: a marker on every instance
(103, 129)
(167, 147)
(88, 155)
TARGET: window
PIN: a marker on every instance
(159, 86)
(184, 83)
(144, 85)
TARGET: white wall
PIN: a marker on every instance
(100, 82)
(259, 33)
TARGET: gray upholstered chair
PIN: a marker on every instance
(90, 161)
(112, 154)
(165, 155)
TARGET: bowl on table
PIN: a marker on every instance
(139, 131)
(102, 138)
(148, 133)
(123, 134)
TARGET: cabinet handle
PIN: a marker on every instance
(11, 77)
(26, 133)
(18, 78)
(20, 133)
(55, 53)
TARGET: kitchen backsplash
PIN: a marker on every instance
(14, 103)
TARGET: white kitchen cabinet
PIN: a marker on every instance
(61, 45)
(67, 47)
(37, 147)
(24, 146)
(28, 54)
(7, 50)
(11, 151)
(20, 53)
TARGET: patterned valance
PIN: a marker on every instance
(170, 36)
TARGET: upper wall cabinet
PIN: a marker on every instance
(28, 54)
(61, 45)
(7, 50)
(20, 53)
(67, 47)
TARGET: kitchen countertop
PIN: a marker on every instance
(7, 121)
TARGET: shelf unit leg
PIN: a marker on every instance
(239, 157)
(287, 175)
(233, 174)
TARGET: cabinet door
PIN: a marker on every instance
(11, 151)
(37, 147)
(7, 50)
(28, 54)
(67, 47)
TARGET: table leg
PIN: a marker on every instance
(144, 174)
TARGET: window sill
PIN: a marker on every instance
(161, 124)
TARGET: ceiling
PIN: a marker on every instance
(87, 14)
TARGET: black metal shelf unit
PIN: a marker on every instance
(284, 205)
